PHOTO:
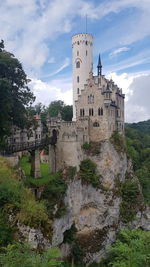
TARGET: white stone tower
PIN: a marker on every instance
(82, 62)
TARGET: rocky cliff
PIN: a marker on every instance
(95, 213)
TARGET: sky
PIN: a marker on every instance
(38, 33)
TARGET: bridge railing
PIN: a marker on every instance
(31, 145)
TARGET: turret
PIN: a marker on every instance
(82, 63)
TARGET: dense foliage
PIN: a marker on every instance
(19, 202)
(131, 200)
(138, 148)
(132, 248)
(88, 172)
(15, 95)
(57, 107)
(20, 255)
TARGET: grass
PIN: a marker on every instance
(18, 200)
(45, 175)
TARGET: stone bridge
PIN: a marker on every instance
(33, 147)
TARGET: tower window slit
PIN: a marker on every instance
(78, 64)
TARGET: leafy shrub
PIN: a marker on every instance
(53, 193)
(6, 231)
(71, 171)
(144, 177)
(129, 191)
(15, 197)
(130, 202)
(88, 172)
(92, 148)
(118, 141)
(132, 248)
(32, 213)
(20, 255)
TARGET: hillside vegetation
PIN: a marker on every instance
(138, 148)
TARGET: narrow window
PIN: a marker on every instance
(78, 43)
(77, 53)
(78, 91)
(86, 43)
(101, 112)
(78, 64)
(91, 98)
(86, 52)
(77, 79)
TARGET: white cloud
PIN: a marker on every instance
(118, 51)
(136, 88)
(27, 25)
(138, 59)
(51, 60)
(46, 92)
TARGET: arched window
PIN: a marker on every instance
(82, 112)
(77, 79)
(95, 124)
(100, 112)
(91, 99)
(78, 64)
(78, 91)
(91, 112)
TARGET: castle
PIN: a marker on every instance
(98, 108)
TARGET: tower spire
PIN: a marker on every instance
(99, 66)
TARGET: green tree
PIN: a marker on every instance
(55, 108)
(59, 106)
(15, 94)
(131, 249)
(17, 255)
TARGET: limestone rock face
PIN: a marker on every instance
(95, 212)
(34, 237)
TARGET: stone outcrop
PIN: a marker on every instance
(95, 212)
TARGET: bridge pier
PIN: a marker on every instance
(52, 158)
(35, 163)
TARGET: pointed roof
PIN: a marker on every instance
(99, 62)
